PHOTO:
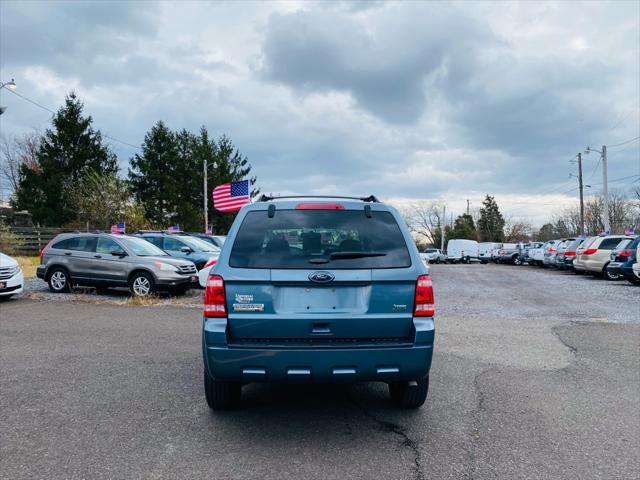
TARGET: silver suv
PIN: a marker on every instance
(108, 260)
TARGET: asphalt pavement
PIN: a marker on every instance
(535, 375)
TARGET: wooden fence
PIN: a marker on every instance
(33, 239)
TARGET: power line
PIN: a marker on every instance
(52, 112)
(623, 143)
(32, 101)
(121, 141)
(624, 117)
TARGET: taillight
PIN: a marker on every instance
(214, 298)
(43, 250)
(625, 253)
(589, 251)
(210, 263)
(424, 306)
(570, 253)
(551, 250)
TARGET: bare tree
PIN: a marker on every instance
(424, 219)
(623, 211)
(516, 230)
(15, 152)
(100, 199)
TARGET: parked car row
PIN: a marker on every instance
(145, 262)
(612, 257)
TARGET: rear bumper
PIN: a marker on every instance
(322, 364)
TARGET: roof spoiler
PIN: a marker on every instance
(268, 198)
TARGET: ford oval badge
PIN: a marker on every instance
(321, 277)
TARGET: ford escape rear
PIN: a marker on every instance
(318, 290)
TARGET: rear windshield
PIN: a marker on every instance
(316, 239)
(623, 244)
(587, 242)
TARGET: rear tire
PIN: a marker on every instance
(406, 396)
(221, 395)
(59, 280)
(608, 275)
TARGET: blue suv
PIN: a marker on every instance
(318, 289)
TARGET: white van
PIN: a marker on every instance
(488, 251)
(459, 250)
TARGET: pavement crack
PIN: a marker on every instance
(396, 429)
(571, 348)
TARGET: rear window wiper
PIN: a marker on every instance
(347, 255)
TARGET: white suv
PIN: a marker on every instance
(11, 277)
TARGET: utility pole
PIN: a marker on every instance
(605, 191)
(444, 212)
(467, 206)
(206, 202)
(581, 194)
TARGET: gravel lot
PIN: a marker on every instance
(535, 375)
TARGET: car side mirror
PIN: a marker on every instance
(118, 253)
(186, 250)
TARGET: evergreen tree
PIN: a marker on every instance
(151, 175)
(68, 152)
(463, 228)
(491, 222)
(187, 176)
(167, 177)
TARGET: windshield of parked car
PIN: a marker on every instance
(199, 245)
(141, 248)
(308, 239)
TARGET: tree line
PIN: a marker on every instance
(70, 177)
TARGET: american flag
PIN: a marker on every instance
(118, 228)
(230, 197)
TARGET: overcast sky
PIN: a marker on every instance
(404, 100)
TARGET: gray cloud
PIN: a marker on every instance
(414, 100)
(386, 65)
(76, 37)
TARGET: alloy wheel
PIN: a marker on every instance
(141, 286)
(58, 280)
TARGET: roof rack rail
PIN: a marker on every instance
(370, 198)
